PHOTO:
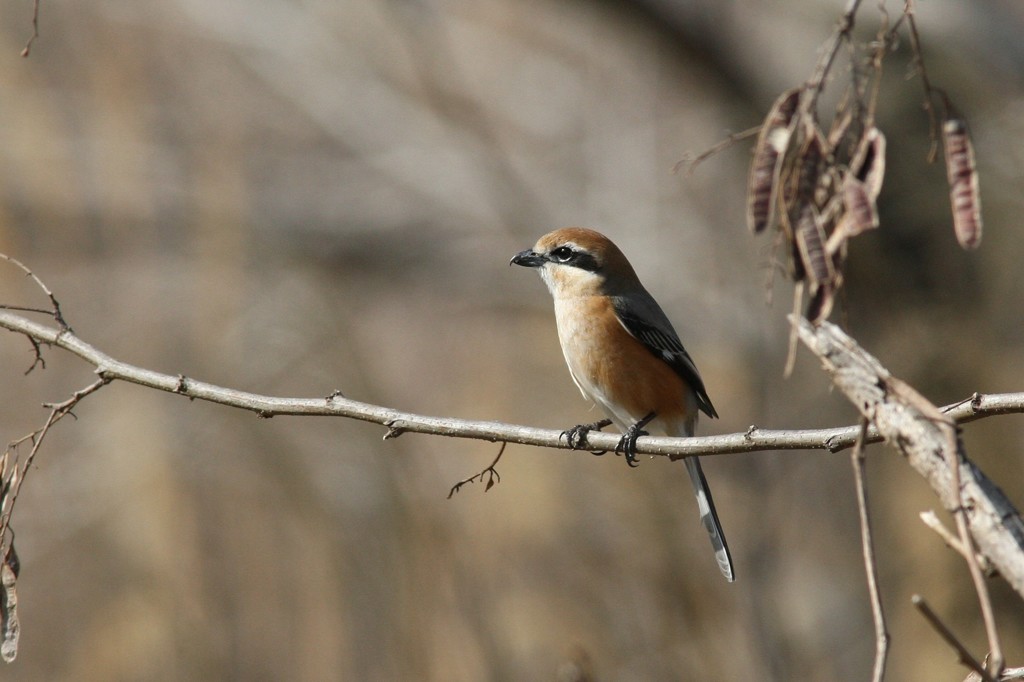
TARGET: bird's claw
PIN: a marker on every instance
(627, 444)
(576, 436)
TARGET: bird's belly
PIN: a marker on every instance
(617, 372)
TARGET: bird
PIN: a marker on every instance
(624, 354)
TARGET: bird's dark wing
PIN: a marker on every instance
(646, 322)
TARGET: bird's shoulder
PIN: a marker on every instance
(643, 318)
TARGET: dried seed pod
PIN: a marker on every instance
(868, 164)
(10, 626)
(821, 271)
(861, 214)
(797, 271)
(810, 241)
(820, 305)
(809, 164)
(963, 182)
(769, 152)
(801, 175)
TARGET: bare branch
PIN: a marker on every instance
(754, 439)
(921, 433)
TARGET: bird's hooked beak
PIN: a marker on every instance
(528, 259)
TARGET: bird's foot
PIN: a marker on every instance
(576, 436)
(627, 444)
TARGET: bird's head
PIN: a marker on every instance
(575, 261)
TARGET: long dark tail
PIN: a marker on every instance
(708, 517)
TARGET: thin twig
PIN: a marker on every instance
(817, 82)
(954, 460)
(996, 659)
(964, 656)
(870, 566)
(931, 519)
(733, 138)
(882, 44)
(35, 29)
(55, 311)
(493, 477)
(929, 91)
(16, 477)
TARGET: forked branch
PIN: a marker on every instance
(921, 432)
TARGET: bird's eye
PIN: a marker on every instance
(562, 254)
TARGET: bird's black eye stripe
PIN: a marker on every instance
(577, 258)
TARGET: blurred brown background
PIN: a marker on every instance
(297, 197)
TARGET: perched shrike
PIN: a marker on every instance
(623, 353)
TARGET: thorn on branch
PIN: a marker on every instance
(833, 444)
(336, 393)
(492, 475)
(394, 430)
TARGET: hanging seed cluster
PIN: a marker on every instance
(817, 191)
(816, 195)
